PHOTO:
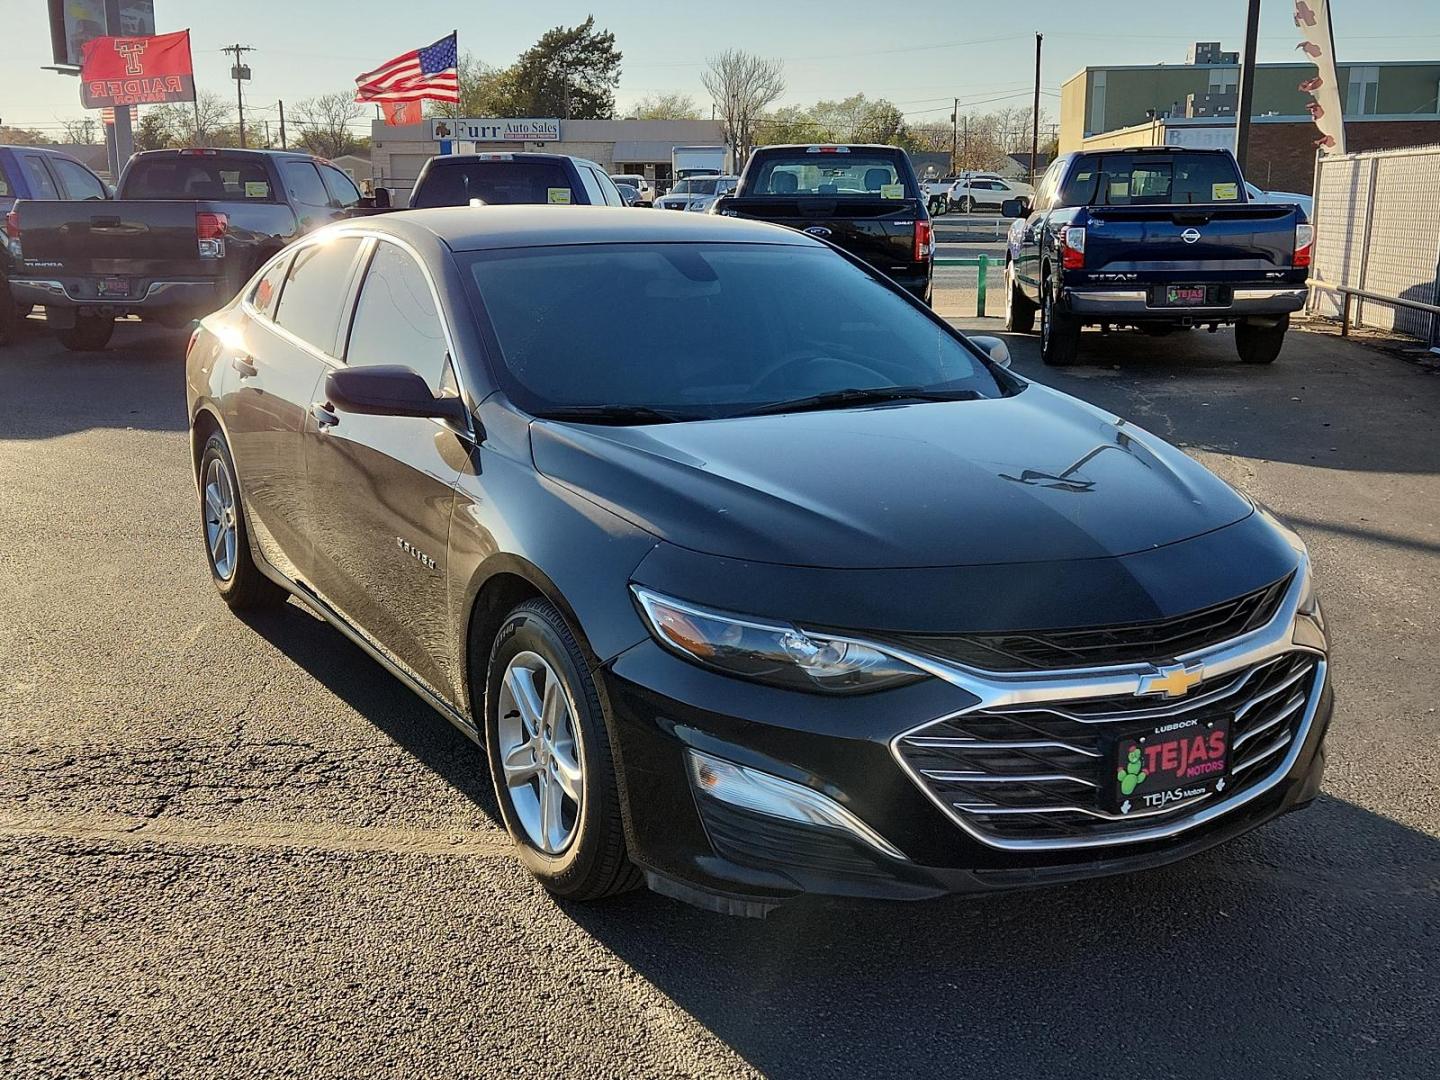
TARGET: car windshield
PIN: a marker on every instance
(705, 186)
(494, 183)
(1138, 180)
(707, 330)
(830, 174)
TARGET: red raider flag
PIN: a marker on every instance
(136, 70)
(428, 73)
(1312, 19)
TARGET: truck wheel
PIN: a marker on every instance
(1260, 344)
(89, 334)
(1059, 333)
(10, 314)
(1019, 310)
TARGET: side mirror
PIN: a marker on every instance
(389, 390)
(992, 347)
(1015, 208)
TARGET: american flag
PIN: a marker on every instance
(107, 115)
(422, 73)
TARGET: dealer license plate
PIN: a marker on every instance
(1174, 762)
(1185, 295)
(114, 286)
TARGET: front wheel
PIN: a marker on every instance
(1259, 344)
(967, 205)
(1059, 333)
(89, 334)
(10, 314)
(550, 758)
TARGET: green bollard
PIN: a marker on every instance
(984, 265)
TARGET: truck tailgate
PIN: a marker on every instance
(1222, 238)
(139, 238)
(880, 231)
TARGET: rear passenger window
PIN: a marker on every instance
(317, 283)
(303, 184)
(80, 183)
(395, 319)
(267, 289)
(608, 192)
(593, 194)
(41, 181)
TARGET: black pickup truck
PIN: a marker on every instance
(186, 230)
(1159, 238)
(863, 199)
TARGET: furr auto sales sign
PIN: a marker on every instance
(137, 70)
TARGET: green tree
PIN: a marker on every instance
(15, 136)
(787, 124)
(484, 91)
(571, 72)
(666, 107)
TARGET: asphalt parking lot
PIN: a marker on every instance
(241, 849)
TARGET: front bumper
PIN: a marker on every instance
(1133, 303)
(729, 858)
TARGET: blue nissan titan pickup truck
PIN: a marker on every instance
(1159, 238)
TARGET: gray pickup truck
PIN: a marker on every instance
(186, 230)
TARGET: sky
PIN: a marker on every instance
(918, 55)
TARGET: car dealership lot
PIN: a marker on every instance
(242, 848)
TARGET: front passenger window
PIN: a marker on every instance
(395, 319)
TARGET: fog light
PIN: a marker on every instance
(761, 793)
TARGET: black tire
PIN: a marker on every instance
(594, 863)
(1260, 344)
(89, 334)
(1019, 310)
(10, 314)
(967, 205)
(1059, 333)
(244, 587)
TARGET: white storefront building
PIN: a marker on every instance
(619, 146)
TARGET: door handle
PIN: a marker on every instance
(324, 415)
(242, 364)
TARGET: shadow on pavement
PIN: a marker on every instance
(1325, 402)
(1267, 957)
(138, 382)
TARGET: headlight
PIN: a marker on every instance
(774, 653)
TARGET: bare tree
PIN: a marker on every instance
(323, 123)
(666, 107)
(80, 131)
(742, 86)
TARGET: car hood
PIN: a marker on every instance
(1036, 477)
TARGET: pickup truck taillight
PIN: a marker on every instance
(924, 240)
(1304, 244)
(1072, 247)
(12, 225)
(210, 231)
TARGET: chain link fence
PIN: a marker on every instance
(1377, 230)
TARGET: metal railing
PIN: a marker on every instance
(1349, 294)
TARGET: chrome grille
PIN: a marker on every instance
(1031, 772)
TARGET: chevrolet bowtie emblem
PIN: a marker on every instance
(1173, 681)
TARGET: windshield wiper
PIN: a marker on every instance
(853, 396)
(617, 414)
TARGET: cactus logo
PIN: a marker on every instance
(1131, 775)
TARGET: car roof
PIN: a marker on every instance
(848, 146)
(490, 228)
(489, 157)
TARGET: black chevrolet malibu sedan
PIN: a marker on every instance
(752, 576)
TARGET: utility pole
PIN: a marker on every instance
(955, 137)
(1245, 104)
(283, 146)
(1035, 110)
(123, 138)
(239, 72)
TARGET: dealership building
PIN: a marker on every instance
(640, 147)
(1386, 105)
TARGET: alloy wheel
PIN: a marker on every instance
(221, 533)
(540, 752)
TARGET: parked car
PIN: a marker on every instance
(972, 193)
(35, 173)
(1159, 238)
(630, 195)
(618, 541)
(1305, 202)
(639, 183)
(863, 199)
(697, 193)
(505, 179)
(187, 229)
